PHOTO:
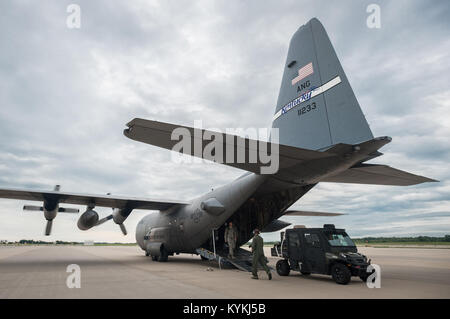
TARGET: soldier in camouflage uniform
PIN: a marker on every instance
(231, 239)
(258, 256)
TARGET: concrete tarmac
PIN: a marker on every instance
(124, 272)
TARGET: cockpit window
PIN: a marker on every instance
(339, 239)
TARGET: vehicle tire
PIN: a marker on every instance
(305, 273)
(154, 258)
(283, 267)
(341, 274)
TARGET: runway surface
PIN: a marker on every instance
(124, 272)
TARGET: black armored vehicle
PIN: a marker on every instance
(327, 250)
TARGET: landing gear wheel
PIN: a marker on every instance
(341, 274)
(164, 256)
(283, 268)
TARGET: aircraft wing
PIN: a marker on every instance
(90, 199)
(309, 213)
(377, 175)
(159, 134)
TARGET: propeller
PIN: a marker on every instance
(51, 215)
(48, 227)
(117, 218)
(123, 229)
(103, 220)
(50, 208)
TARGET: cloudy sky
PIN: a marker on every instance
(66, 95)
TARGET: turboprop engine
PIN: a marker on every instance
(50, 208)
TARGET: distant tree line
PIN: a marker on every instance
(378, 240)
(426, 239)
(42, 242)
(57, 242)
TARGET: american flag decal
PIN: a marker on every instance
(303, 73)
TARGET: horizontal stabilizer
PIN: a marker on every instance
(309, 213)
(377, 175)
(160, 134)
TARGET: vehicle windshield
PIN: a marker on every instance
(339, 239)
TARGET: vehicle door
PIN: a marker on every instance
(294, 249)
(314, 253)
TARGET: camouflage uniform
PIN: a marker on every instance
(258, 256)
(231, 238)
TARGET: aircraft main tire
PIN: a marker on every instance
(283, 267)
(341, 274)
(164, 256)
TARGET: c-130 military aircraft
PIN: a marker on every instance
(323, 137)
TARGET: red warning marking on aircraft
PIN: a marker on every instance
(303, 73)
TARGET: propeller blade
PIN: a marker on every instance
(101, 221)
(48, 228)
(68, 210)
(35, 208)
(123, 229)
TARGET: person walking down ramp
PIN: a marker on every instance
(258, 256)
(231, 239)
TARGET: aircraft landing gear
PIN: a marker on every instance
(164, 256)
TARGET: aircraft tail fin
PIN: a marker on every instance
(316, 106)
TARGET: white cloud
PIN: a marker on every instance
(66, 95)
